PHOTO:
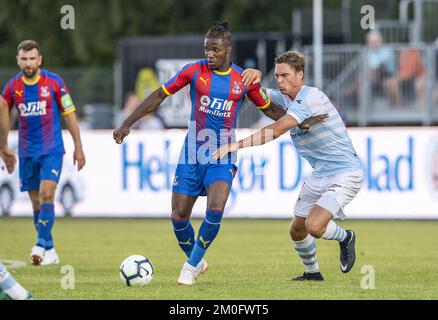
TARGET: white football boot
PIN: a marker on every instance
(187, 275)
(37, 255)
(201, 268)
(50, 257)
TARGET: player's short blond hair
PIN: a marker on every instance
(294, 59)
(28, 45)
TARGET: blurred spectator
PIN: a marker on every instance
(145, 83)
(382, 67)
(149, 122)
(250, 63)
(411, 75)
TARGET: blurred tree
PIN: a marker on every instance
(100, 23)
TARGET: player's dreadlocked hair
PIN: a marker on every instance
(220, 29)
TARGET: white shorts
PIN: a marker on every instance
(331, 192)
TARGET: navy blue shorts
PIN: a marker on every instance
(194, 179)
(33, 170)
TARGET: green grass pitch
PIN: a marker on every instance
(250, 259)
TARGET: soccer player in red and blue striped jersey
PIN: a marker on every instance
(41, 98)
(217, 90)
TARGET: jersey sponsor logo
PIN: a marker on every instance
(19, 93)
(221, 104)
(35, 108)
(236, 88)
(217, 107)
(45, 92)
(224, 114)
(204, 80)
(300, 133)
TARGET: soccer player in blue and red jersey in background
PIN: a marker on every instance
(41, 97)
(217, 90)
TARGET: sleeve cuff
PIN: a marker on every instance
(265, 106)
(165, 90)
(69, 111)
(296, 117)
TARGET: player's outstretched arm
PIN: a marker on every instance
(264, 135)
(72, 126)
(273, 111)
(149, 105)
(6, 153)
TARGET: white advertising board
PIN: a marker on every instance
(135, 179)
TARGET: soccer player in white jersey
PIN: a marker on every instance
(10, 289)
(337, 171)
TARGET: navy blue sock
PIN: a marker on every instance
(45, 224)
(36, 215)
(207, 232)
(185, 235)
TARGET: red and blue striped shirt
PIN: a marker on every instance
(215, 98)
(39, 106)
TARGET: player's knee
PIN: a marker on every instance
(296, 232)
(314, 229)
(35, 203)
(46, 196)
(180, 213)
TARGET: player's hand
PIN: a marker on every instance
(225, 149)
(9, 158)
(79, 157)
(251, 76)
(309, 121)
(120, 133)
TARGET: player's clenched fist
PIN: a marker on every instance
(120, 133)
(9, 158)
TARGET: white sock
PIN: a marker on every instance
(306, 250)
(11, 287)
(334, 232)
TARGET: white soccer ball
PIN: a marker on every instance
(136, 271)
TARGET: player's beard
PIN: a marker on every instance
(213, 66)
(29, 72)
